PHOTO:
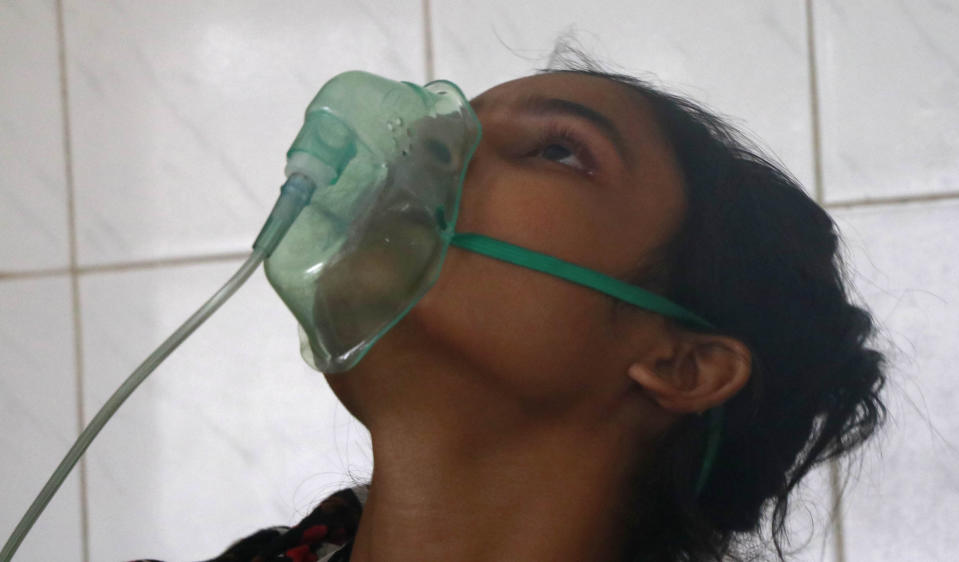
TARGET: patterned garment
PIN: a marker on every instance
(325, 535)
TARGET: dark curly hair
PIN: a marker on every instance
(757, 258)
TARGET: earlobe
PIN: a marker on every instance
(708, 373)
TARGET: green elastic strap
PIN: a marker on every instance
(712, 446)
(632, 294)
(595, 280)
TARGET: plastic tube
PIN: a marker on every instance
(294, 195)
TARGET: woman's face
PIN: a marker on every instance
(568, 165)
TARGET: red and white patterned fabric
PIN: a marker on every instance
(325, 535)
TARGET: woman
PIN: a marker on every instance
(517, 416)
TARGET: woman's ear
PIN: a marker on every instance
(699, 373)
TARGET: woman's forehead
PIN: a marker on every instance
(616, 101)
(603, 94)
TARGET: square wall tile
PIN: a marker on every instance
(33, 196)
(231, 434)
(38, 414)
(747, 61)
(888, 84)
(903, 502)
(182, 112)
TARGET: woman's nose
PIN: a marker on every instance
(472, 192)
(484, 154)
(475, 163)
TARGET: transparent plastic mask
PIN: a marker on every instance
(370, 244)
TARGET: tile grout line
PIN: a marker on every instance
(428, 39)
(814, 104)
(836, 507)
(231, 256)
(74, 279)
(894, 200)
(125, 266)
(214, 258)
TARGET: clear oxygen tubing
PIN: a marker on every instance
(294, 195)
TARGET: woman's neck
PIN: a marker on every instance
(539, 494)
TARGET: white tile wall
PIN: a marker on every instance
(905, 506)
(38, 413)
(233, 431)
(33, 202)
(175, 110)
(182, 111)
(889, 76)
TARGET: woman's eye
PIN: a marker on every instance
(561, 153)
(564, 146)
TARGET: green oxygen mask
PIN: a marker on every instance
(388, 159)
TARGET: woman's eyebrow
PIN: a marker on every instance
(555, 106)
